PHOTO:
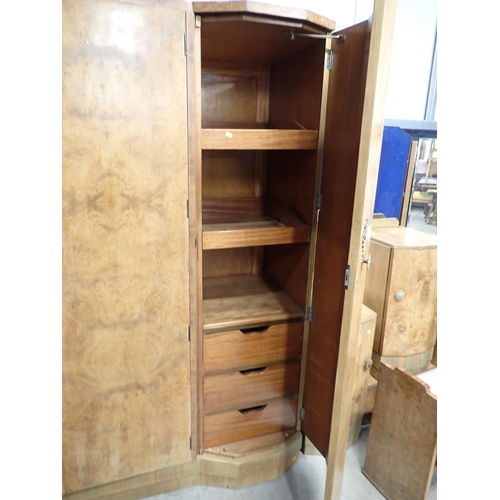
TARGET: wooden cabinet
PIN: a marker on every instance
(402, 288)
(220, 162)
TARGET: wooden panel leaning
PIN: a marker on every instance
(402, 444)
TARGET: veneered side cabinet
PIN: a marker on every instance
(219, 170)
(401, 288)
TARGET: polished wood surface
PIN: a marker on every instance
(259, 444)
(240, 349)
(410, 323)
(403, 260)
(244, 301)
(216, 209)
(238, 425)
(339, 174)
(375, 292)
(247, 39)
(415, 363)
(240, 388)
(195, 204)
(263, 9)
(402, 445)
(228, 174)
(252, 232)
(404, 237)
(261, 139)
(370, 144)
(238, 468)
(250, 468)
(363, 358)
(125, 304)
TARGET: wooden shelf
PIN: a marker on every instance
(247, 222)
(244, 301)
(258, 139)
(257, 231)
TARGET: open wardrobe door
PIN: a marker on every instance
(354, 126)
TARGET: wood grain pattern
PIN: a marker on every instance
(247, 40)
(410, 324)
(228, 174)
(404, 237)
(240, 388)
(375, 292)
(246, 470)
(235, 139)
(236, 349)
(339, 175)
(364, 354)
(256, 231)
(244, 301)
(236, 426)
(259, 444)
(217, 209)
(415, 363)
(402, 445)
(125, 390)
(263, 9)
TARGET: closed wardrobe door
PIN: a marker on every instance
(125, 349)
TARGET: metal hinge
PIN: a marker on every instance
(319, 201)
(185, 44)
(329, 59)
(347, 276)
(309, 314)
(189, 334)
(190, 443)
(302, 414)
(187, 209)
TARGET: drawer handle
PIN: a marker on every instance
(252, 410)
(254, 370)
(259, 329)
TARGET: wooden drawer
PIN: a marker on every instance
(252, 347)
(240, 388)
(237, 425)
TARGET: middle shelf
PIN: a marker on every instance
(244, 222)
(244, 301)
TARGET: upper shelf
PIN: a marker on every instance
(258, 139)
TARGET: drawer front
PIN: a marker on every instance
(232, 426)
(237, 348)
(241, 388)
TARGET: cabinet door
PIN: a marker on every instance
(410, 322)
(125, 350)
(354, 124)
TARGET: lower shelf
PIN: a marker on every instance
(244, 301)
(252, 445)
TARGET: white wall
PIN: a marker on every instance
(412, 51)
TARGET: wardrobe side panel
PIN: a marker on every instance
(125, 349)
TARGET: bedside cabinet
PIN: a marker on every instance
(401, 288)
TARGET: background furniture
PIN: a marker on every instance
(402, 445)
(218, 186)
(401, 288)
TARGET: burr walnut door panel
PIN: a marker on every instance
(125, 386)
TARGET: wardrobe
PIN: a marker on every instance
(220, 162)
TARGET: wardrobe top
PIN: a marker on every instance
(249, 7)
